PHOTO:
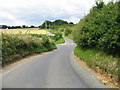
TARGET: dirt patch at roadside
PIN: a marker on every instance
(102, 76)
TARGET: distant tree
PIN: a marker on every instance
(17, 27)
(39, 26)
(9, 27)
(24, 26)
(12, 27)
(71, 23)
(60, 22)
(54, 24)
(3, 26)
(46, 24)
(32, 26)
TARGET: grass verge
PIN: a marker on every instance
(70, 36)
(100, 61)
(58, 38)
(60, 41)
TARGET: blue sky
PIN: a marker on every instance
(35, 12)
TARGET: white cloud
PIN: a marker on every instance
(10, 17)
(28, 12)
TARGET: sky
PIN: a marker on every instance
(35, 12)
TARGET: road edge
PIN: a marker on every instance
(77, 66)
(21, 61)
(76, 61)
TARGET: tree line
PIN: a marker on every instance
(49, 24)
(16, 27)
(46, 25)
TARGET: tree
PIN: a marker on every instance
(46, 24)
(54, 24)
(24, 26)
(99, 4)
(59, 22)
(67, 31)
(3, 26)
(32, 26)
(71, 23)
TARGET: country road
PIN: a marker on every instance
(56, 69)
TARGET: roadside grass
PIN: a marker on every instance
(70, 36)
(19, 45)
(98, 59)
(58, 38)
(25, 31)
(60, 41)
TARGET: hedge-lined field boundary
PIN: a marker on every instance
(18, 46)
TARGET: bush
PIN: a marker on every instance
(61, 29)
(96, 58)
(67, 31)
(100, 29)
(57, 36)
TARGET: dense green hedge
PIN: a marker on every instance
(98, 38)
(18, 46)
(100, 28)
(67, 31)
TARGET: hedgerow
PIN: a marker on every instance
(100, 29)
(18, 46)
(98, 33)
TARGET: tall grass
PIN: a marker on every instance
(60, 41)
(94, 58)
(18, 46)
(70, 36)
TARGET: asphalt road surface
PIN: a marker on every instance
(56, 69)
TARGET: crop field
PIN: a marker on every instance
(24, 31)
(18, 43)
